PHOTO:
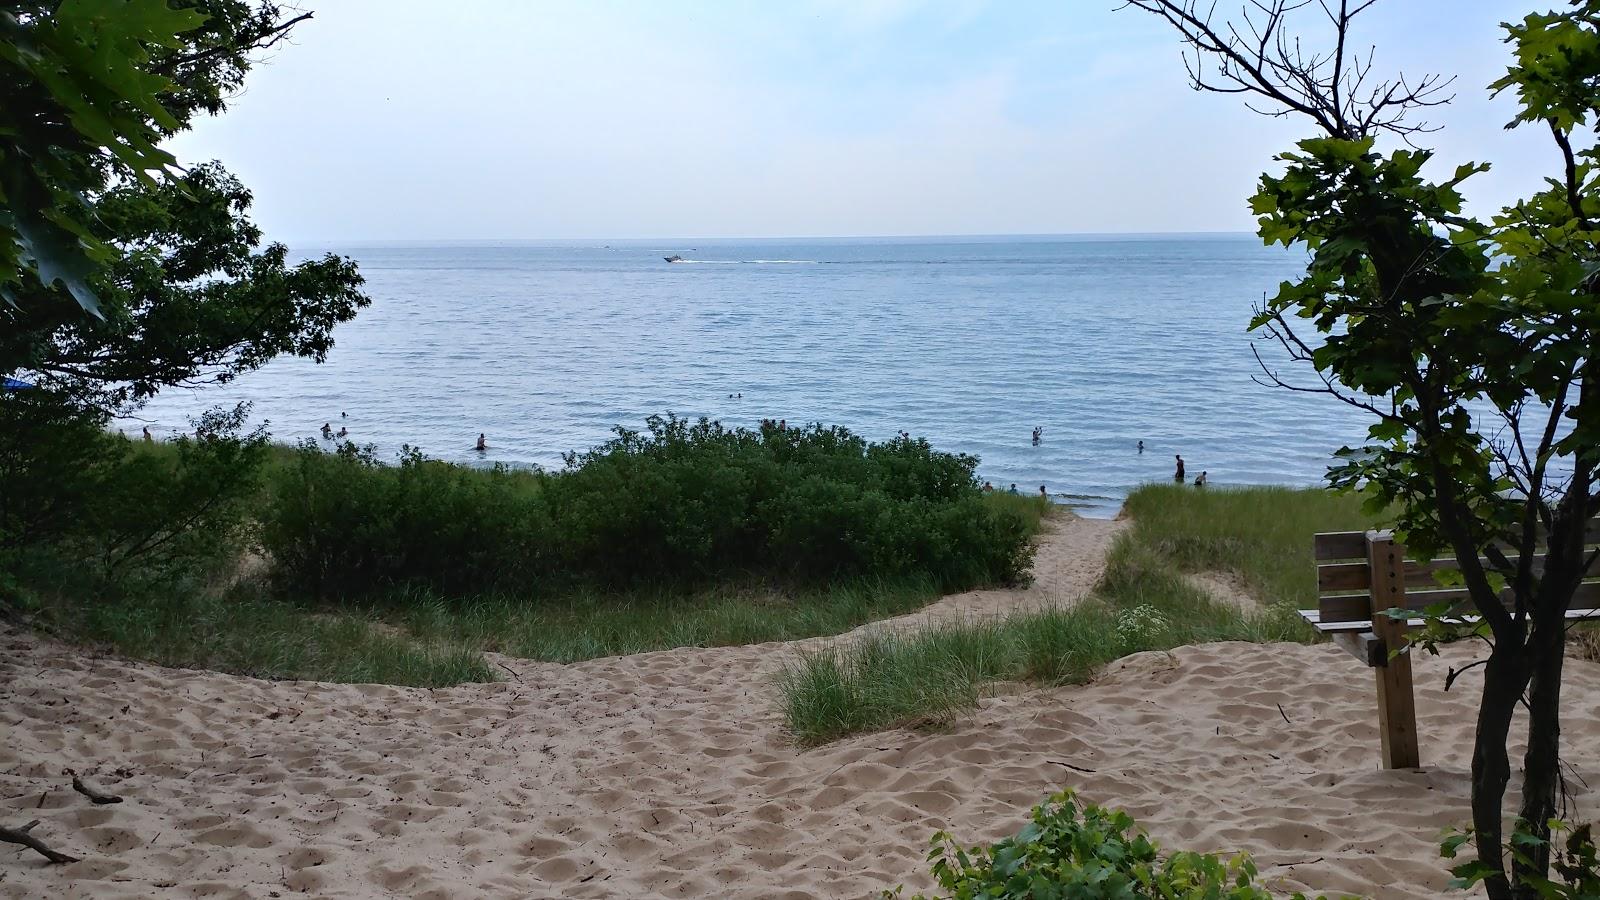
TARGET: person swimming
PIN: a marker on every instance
(344, 432)
(482, 444)
(1178, 475)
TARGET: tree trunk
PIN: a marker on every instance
(1540, 766)
(1504, 677)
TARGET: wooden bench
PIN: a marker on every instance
(1361, 573)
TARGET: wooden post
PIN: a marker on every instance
(1397, 711)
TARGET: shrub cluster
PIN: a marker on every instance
(1088, 853)
(79, 502)
(680, 503)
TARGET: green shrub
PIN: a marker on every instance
(53, 461)
(681, 504)
(346, 524)
(1575, 861)
(182, 506)
(1085, 852)
(78, 500)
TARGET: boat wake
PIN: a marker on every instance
(744, 262)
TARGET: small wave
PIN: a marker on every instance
(748, 262)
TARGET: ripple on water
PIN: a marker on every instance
(545, 347)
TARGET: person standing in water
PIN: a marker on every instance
(1178, 476)
(1042, 495)
(482, 445)
(1200, 480)
(1141, 446)
(148, 438)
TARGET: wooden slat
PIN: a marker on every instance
(1314, 618)
(1353, 544)
(1345, 608)
(1352, 576)
(1358, 607)
(1340, 545)
(1363, 645)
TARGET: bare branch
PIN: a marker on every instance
(1256, 54)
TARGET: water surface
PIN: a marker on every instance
(968, 342)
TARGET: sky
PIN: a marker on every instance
(394, 120)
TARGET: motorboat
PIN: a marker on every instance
(673, 258)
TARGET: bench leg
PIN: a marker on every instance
(1397, 708)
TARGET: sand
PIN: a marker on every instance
(670, 775)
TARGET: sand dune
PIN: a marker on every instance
(669, 775)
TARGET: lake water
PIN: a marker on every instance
(1102, 341)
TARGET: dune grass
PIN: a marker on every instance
(420, 638)
(1261, 534)
(247, 632)
(587, 626)
(426, 641)
(1143, 602)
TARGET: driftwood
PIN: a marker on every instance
(21, 836)
(93, 795)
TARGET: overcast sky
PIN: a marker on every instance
(512, 119)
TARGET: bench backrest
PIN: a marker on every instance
(1345, 577)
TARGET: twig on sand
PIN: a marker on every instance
(509, 669)
(1284, 714)
(94, 796)
(21, 836)
(1057, 762)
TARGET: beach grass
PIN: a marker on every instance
(422, 640)
(686, 534)
(1143, 602)
(247, 632)
(1262, 535)
(590, 625)
(419, 637)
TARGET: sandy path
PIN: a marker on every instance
(1071, 556)
(669, 775)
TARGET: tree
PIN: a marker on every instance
(80, 99)
(1469, 344)
(191, 297)
(186, 293)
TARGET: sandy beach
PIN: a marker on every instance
(670, 774)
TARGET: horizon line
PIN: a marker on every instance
(793, 237)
